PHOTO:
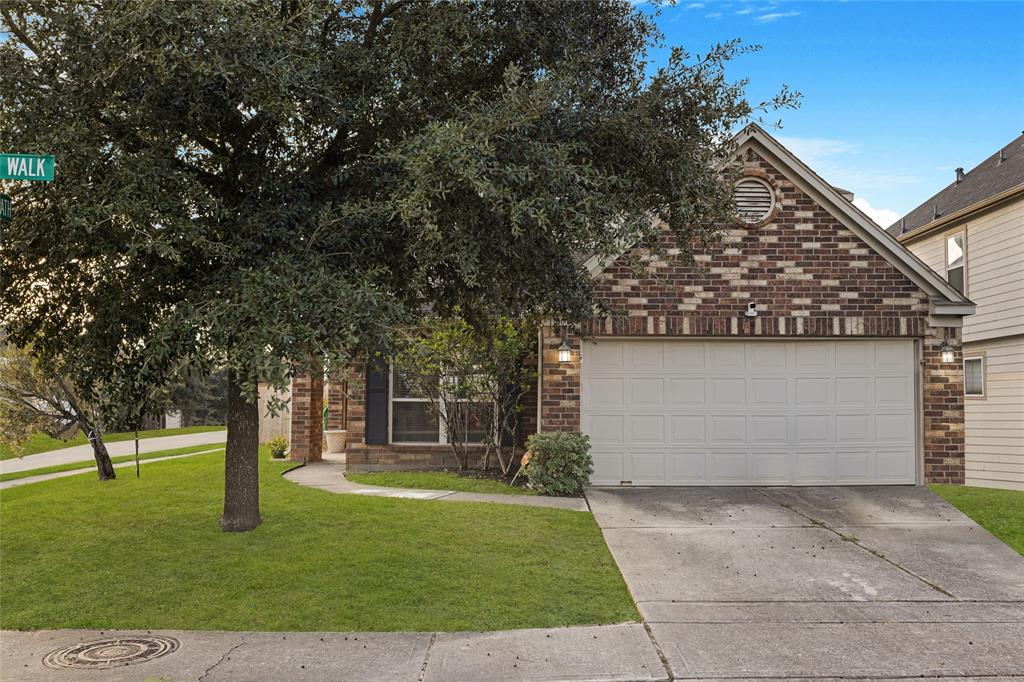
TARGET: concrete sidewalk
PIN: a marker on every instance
(83, 453)
(330, 476)
(14, 483)
(605, 653)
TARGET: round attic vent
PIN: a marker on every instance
(754, 199)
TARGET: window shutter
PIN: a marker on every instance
(377, 403)
(753, 200)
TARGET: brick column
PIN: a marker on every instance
(943, 408)
(356, 398)
(307, 417)
(560, 384)
(336, 400)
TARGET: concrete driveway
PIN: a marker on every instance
(816, 582)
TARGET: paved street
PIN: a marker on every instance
(816, 582)
(83, 453)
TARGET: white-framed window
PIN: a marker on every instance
(413, 420)
(956, 260)
(974, 376)
(754, 199)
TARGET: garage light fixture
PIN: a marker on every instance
(564, 352)
(946, 352)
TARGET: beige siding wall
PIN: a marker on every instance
(995, 423)
(995, 269)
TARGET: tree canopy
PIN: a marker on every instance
(256, 184)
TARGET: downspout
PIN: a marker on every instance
(540, 372)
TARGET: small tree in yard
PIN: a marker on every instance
(275, 184)
(34, 399)
(474, 378)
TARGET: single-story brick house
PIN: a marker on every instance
(849, 373)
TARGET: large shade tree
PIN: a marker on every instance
(272, 184)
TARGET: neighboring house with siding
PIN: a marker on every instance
(972, 232)
(807, 348)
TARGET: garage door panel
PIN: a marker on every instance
(727, 392)
(855, 466)
(727, 467)
(728, 356)
(728, 428)
(647, 355)
(646, 428)
(647, 391)
(853, 391)
(687, 429)
(896, 390)
(681, 412)
(896, 355)
(812, 390)
(687, 467)
(813, 428)
(769, 391)
(765, 429)
(687, 391)
(853, 428)
(813, 467)
(768, 466)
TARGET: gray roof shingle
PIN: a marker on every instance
(997, 173)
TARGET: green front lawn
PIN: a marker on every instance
(86, 464)
(1000, 512)
(40, 442)
(148, 553)
(438, 480)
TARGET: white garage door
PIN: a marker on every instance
(750, 412)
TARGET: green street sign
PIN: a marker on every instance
(5, 208)
(26, 167)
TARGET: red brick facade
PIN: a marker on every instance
(809, 275)
(307, 418)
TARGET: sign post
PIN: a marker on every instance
(37, 167)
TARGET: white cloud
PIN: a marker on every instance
(694, 5)
(713, 15)
(814, 150)
(745, 10)
(775, 16)
(883, 217)
(837, 161)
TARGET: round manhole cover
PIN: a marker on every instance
(110, 652)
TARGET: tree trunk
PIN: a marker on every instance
(104, 466)
(241, 462)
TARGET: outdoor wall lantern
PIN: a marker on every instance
(946, 351)
(564, 352)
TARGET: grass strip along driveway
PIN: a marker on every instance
(148, 553)
(437, 480)
(86, 464)
(40, 442)
(1000, 512)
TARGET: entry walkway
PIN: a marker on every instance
(330, 476)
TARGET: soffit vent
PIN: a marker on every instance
(754, 199)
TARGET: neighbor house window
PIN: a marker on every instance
(414, 420)
(955, 261)
(974, 376)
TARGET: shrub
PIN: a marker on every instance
(278, 447)
(560, 463)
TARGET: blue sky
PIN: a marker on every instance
(896, 94)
